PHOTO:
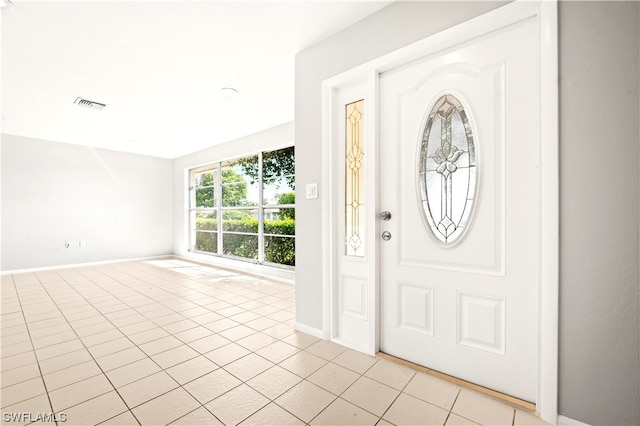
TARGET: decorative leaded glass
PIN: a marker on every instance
(354, 179)
(447, 170)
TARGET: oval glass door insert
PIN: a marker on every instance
(447, 170)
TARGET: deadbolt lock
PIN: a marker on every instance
(385, 215)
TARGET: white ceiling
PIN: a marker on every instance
(159, 66)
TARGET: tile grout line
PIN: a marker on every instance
(34, 349)
(303, 379)
(452, 405)
(276, 339)
(243, 382)
(348, 387)
(162, 369)
(130, 409)
(398, 396)
(202, 277)
(90, 354)
(363, 374)
(246, 382)
(78, 288)
(222, 367)
(338, 396)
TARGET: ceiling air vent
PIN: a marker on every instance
(89, 104)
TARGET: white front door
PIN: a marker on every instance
(459, 146)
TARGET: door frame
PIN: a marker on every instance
(366, 77)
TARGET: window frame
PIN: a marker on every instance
(219, 209)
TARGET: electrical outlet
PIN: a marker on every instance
(82, 243)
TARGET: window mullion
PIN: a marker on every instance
(260, 211)
(218, 197)
(192, 227)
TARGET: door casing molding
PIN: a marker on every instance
(366, 77)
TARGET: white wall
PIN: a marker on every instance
(599, 150)
(120, 204)
(273, 138)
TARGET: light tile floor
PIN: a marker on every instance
(172, 342)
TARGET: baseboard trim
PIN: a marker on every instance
(567, 421)
(80, 265)
(316, 332)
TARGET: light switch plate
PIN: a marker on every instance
(312, 191)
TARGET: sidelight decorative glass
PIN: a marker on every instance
(354, 179)
(447, 170)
